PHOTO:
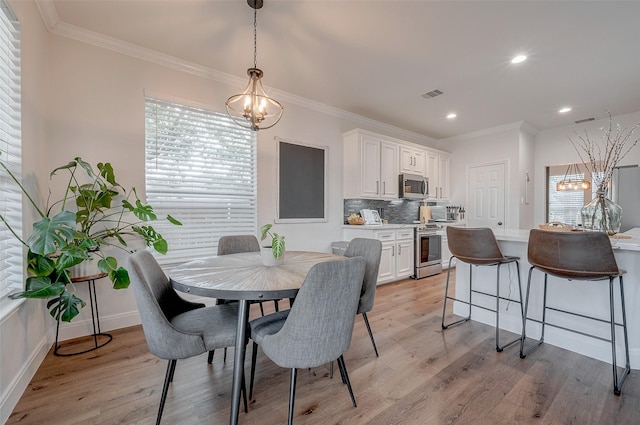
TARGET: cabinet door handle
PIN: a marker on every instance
(377, 187)
(393, 251)
(399, 249)
(384, 188)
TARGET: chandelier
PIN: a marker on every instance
(571, 180)
(253, 108)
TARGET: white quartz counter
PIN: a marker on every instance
(590, 298)
(624, 241)
(378, 226)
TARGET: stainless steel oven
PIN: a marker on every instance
(428, 250)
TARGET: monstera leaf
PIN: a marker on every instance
(51, 233)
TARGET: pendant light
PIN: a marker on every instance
(571, 182)
(253, 108)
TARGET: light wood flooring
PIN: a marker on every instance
(423, 376)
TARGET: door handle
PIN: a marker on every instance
(499, 223)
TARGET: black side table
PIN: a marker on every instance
(95, 317)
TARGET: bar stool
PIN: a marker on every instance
(577, 256)
(478, 247)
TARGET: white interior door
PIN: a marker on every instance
(486, 196)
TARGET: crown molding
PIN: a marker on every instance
(55, 26)
(518, 125)
(48, 13)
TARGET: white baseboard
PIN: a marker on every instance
(9, 399)
(78, 328)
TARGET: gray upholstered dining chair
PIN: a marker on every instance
(174, 327)
(370, 250)
(318, 327)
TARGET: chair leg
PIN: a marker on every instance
(243, 389)
(518, 339)
(254, 356)
(168, 377)
(292, 394)
(210, 357)
(618, 382)
(366, 322)
(224, 357)
(173, 370)
(523, 352)
(343, 372)
(276, 306)
(331, 370)
(446, 297)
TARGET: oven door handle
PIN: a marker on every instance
(424, 187)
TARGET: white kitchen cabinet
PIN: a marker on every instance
(404, 257)
(397, 258)
(370, 166)
(412, 160)
(438, 173)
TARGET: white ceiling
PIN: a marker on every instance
(376, 58)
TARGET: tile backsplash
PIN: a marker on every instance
(396, 211)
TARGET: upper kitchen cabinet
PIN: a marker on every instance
(370, 166)
(412, 160)
(438, 174)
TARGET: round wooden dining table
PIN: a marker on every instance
(243, 277)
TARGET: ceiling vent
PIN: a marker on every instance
(432, 93)
(585, 120)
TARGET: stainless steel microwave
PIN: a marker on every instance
(414, 186)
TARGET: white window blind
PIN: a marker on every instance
(201, 169)
(11, 253)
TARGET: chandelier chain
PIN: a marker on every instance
(255, 38)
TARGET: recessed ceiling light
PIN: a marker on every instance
(564, 110)
(518, 59)
(451, 116)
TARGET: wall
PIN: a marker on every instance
(553, 147)
(24, 330)
(488, 147)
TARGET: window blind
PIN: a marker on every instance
(201, 168)
(11, 252)
(565, 206)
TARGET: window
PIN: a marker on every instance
(201, 169)
(565, 206)
(10, 139)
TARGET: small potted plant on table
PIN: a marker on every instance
(272, 255)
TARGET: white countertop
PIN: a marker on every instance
(522, 235)
(378, 226)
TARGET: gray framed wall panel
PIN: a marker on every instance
(302, 178)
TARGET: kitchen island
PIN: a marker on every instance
(590, 298)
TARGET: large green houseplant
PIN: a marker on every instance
(94, 212)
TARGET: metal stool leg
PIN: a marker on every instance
(618, 382)
(523, 352)
(498, 347)
(446, 297)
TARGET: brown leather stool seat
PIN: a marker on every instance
(478, 247)
(577, 256)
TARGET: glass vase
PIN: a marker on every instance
(601, 215)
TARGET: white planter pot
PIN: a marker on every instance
(268, 259)
(86, 268)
